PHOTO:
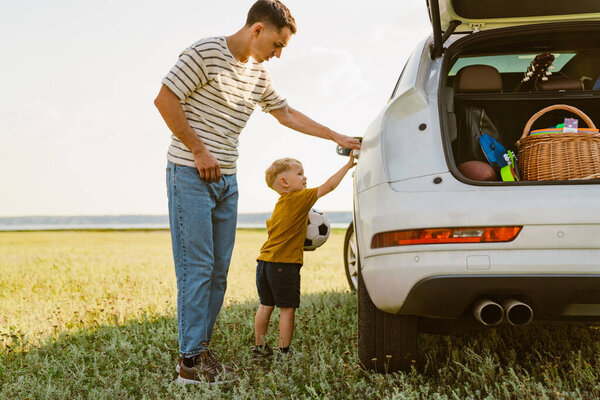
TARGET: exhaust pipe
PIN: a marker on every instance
(488, 312)
(517, 313)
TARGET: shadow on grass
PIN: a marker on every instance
(137, 360)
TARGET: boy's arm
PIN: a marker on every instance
(336, 178)
(297, 121)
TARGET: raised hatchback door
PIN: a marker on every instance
(477, 15)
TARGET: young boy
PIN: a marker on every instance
(280, 259)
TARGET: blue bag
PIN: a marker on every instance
(494, 152)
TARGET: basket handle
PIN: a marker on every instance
(543, 111)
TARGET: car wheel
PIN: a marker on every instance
(386, 342)
(351, 263)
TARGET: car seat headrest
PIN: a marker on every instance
(559, 82)
(478, 79)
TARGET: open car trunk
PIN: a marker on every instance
(473, 102)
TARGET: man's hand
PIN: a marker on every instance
(207, 166)
(347, 142)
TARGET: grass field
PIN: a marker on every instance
(92, 315)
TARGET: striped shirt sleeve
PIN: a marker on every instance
(271, 99)
(187, 74)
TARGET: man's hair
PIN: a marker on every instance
(272, 12)
(278, 166)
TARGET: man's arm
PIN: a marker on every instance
(297, 121)
(170, 109)
(336, 178)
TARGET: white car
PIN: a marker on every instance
(433, 249)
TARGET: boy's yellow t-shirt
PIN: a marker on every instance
(287, 227)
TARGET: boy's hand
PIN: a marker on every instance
(351, 161)
(336, 178)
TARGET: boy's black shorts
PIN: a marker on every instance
(278, 284)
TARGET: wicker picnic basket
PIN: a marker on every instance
(559, 156)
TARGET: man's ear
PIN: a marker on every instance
(257, 28)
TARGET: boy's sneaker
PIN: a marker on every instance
(291, 353)
(178, 366)
(206, 369)
(262, 352)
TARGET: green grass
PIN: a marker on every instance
(92, 315)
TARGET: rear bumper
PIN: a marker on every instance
(554, 297)
(445, 284)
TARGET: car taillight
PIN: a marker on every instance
(445, 235)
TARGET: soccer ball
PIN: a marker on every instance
(317, 231)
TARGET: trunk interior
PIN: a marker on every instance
(485, 89)
(509, 116)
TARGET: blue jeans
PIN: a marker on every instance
(203, 219)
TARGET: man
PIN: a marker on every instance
(206, 100)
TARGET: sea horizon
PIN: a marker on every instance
(337, 219)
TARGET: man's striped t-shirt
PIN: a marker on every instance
(218, 94)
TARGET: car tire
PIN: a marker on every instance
(386, 342)
(351, 261)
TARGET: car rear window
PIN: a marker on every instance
(508, 63)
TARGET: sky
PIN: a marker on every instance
(79, 132)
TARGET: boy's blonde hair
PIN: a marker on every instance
(278, 166)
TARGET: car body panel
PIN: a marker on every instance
(421, 203)
(411, 105)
